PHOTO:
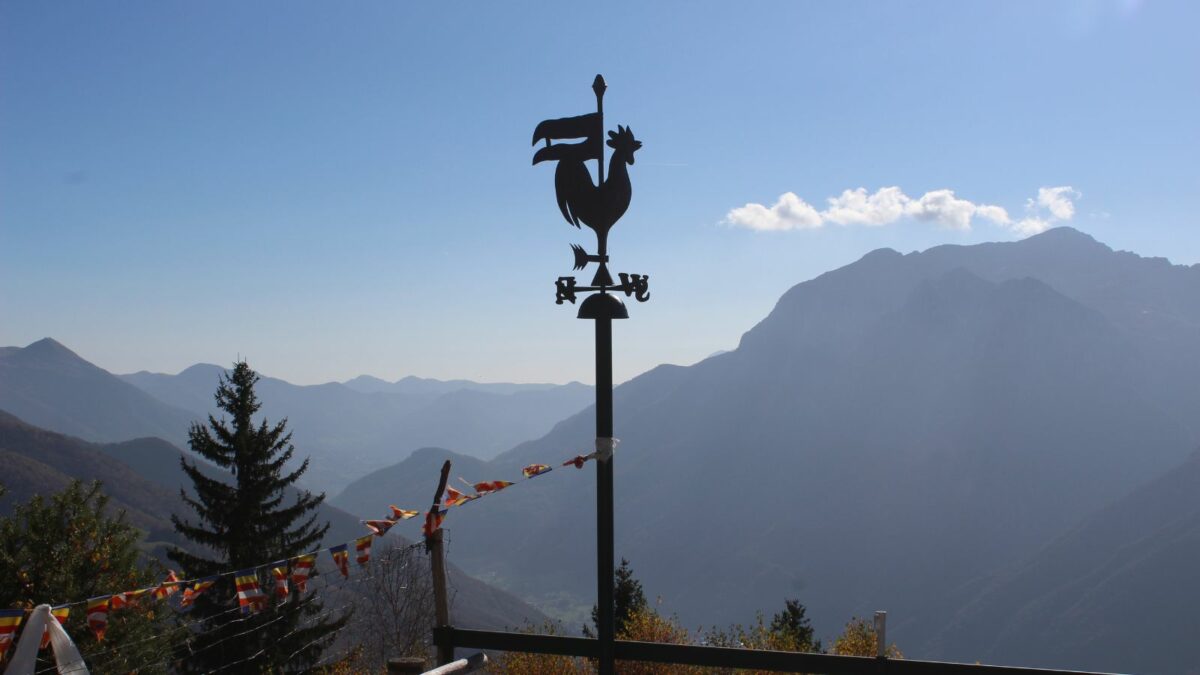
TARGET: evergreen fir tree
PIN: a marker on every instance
(245, 520)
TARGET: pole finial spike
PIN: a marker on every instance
(598, 86)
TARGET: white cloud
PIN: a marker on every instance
(1059, 201)
(789, 213)
(944, 208)
(889, 204)
(856, 207)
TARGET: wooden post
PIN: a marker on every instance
(881, 634)
(437, 565)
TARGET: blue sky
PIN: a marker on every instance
(331, 189)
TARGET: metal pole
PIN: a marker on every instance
(604, 497)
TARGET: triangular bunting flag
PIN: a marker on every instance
(535, 470)
(362, 546)
(10, 620)
(250, 596)
(61, 613)
(379, 527)
(489, 486)
(301, 568)
(190, 594)
(97, 615)
(403, 514)
(341, 558)
(281, 581)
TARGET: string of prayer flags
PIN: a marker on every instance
(489, 486)
(169, 586)
(250, 596)
(454, 497)
(379, 527)
(535, 470)
(301, 568)
(61, 613)
(97, 615)
(281, 584)
(10, 620)
(190, 594)
(341, 558)
(402, 514)
(362, 546)
(433, 521)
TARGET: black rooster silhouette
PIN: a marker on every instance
(597, 206)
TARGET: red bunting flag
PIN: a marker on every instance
(454, 497)
(379, 527)
(403, 514)
(490, 486)
(190, 594)
(578, 460)
(250, 596)
(281, 584)
(10, 620)
(97, 615)
(535, 470)
(60, 613)
(169, 586)
(128, 598)
(341, 558)
(301, 568)
(362, 546)
(433, 521)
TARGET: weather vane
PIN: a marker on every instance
(599, 206)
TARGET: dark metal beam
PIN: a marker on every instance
(724, 657)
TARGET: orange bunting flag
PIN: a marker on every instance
(250, 596)
(535, 470)
(190, 594)
(403, 514)
(363, 546)
(97, 615)
(60, 613)
(169, 586)
(301, 568)
(433, 521)
(128, 598)
(455, 498)
(490, 486)
(281, 585)
(379, 527)
(341, 558)
(10, 620)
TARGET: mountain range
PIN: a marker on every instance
(896, 434)
(346, 429)
(993, 442)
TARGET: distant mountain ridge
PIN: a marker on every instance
(891, 431)
(346, 432)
